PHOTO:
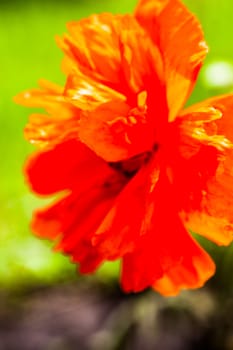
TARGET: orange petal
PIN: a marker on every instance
(118, 116)
(66, 166)
(168, 264)
(122, 226)
(180, 39)
(87, 94)
(212, 215)
(164, 248)
(108, 124)
(191, 272)
(203, 185)
(72, 221)
(47, 96)
(213, 218)
(114, 90)
(60, 124)
(123, 137)
(101, 58)
(222, 105)
(141, 61)
(120, 56)
(43, 131)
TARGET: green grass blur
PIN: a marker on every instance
(27, 53)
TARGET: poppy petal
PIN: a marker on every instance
(179, 36)
(66, 220)
(180, 264)
(104, 118)
(221, 106)
(165, 249)
(114, 121)
(213, 218)
(114, 130)
(100, 60)
(48, 96)
(65, 166)
(120, 230)
(120, 56)
(212, 215)
(195, 268)
(109, 101)
(60, 124)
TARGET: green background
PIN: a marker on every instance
(27, 53)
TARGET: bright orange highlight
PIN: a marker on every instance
(134, 170)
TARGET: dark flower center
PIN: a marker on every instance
(130, 167)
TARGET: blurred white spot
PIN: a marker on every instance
(106, 28)
(27, 95)
(203, 45)
(218, 75)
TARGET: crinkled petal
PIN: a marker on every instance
(114, 99)
(66, 166)
(121, 54)
(179, 36)
(213, 217)
(48, 96)
(194, 269)
(123, 137)
(212, 214)
(120, 230)
(141, 61)
(118, 116)
(168, 263)
(48, 92)
(101, 59)
(60, 124)
(87, 94)
(220, 106)
(107, 123)
(44, 131)
(165, 250)
(72, 220)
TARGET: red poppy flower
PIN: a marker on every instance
(134, 170)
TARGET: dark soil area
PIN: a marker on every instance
(92, 317)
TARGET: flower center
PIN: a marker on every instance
(129, 167)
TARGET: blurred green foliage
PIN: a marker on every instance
(27, 53)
